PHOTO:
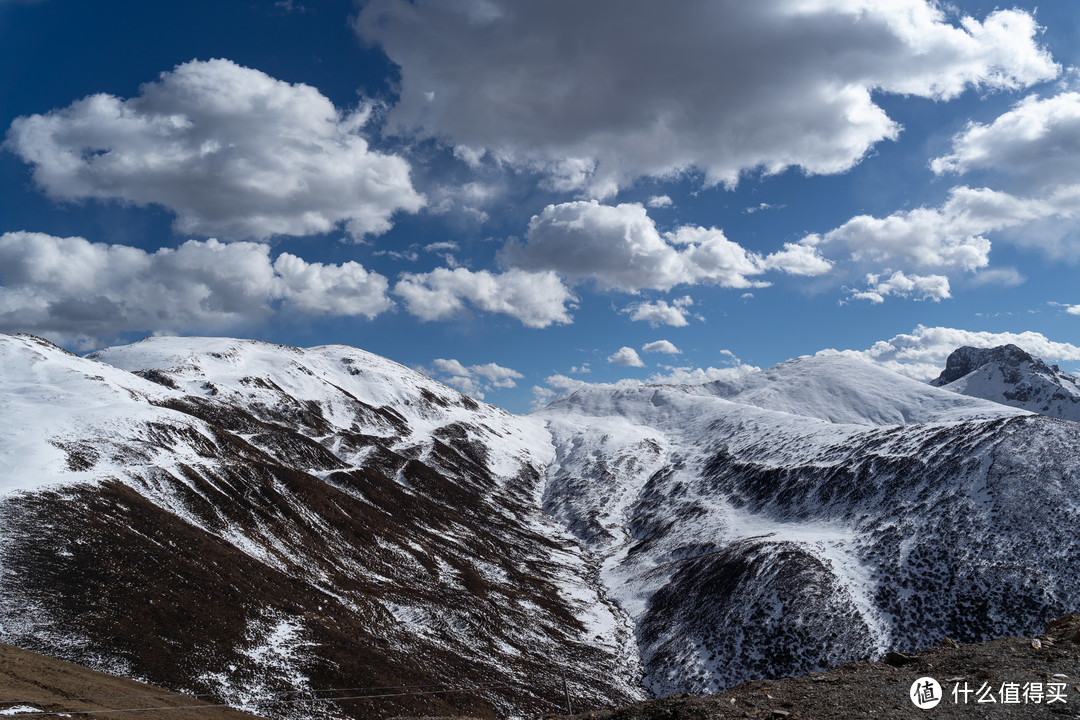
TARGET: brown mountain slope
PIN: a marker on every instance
(236, 541)
(27, 679)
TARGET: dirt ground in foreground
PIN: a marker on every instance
(1024, 681)
(32, 680)
(879, 690)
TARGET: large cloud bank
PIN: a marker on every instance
(599, 93)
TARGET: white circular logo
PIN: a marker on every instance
(925, 693)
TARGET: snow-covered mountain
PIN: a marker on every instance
(243, 518)
(240, 518)
(822, 510)
(1007, 374)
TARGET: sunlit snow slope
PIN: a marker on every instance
(242, 518)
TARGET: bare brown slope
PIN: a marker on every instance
(27, 679)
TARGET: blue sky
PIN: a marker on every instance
(519, 197)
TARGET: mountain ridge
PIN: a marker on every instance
(781, 505)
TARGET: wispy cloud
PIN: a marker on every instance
(474, 380)
(763, 206)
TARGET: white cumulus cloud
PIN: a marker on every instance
(950, 236)
(619, 247)
(318, 289)
(953, 235)
(474, 380)
(797, 259)
(75, 290)
(229, 149)
(537, 299)
(661, 313)
(919, 287)
(661, 346)
(725, 86)
(1038, 141)
(1033, 153)
(626, 357)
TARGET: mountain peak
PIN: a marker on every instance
(1009, 375)
(967, 359)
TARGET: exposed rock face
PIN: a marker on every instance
(965, 360)
(1011, 376)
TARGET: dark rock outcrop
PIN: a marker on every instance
(1008, 375)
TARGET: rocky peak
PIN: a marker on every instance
(965, 360)
(1011, 376)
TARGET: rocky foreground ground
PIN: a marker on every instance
(1024, 681)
